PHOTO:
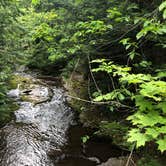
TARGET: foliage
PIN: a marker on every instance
(149, 97)
(85, 139)
(148, 161)
(114, 130)
(143, 88)
(9, 44)
(35, 2)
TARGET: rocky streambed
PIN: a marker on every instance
(40, 124)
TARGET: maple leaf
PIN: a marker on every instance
(162, 106)
(136, 136)
(153, 132)
(162, 129)
(142, 103)
(162, 144)
(146, 119)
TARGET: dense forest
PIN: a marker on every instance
(115, 48)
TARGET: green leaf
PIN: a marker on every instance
(35, 2)
(111, 108)
(99, 98)
(140, 34)
(121, 96)
(127, 92)
(162, 106)
(161, 74)
(162, 129)
(85, 138)
(162, 6)
(136, 136)
(142, 103)
(128, 46)
(125, 41)
(137, 20)
(98, 61)
(162, 144)
(132, 54)
(153, 132)
(136, 78)
(146, 119)
(154, 89)
(164, 14)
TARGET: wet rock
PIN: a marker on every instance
(14, 93)
(24, 80)
(54, 152)
(36, 94)
(94, 159)
(29, 89)
(121, 161)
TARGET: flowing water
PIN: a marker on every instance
(36, 130)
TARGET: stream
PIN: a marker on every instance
(46, 133)
(36, 130)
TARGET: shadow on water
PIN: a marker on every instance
(95, 151)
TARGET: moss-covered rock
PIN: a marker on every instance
(76, 88)
(90, 115)
(24, 82)
(30, 89)
(36, 94)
